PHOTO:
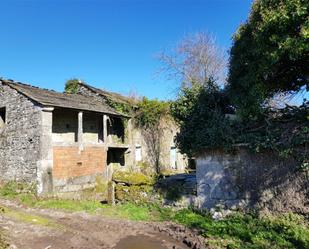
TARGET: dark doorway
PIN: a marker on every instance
(116, 155)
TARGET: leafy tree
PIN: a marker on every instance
(200, 112)
(270, 53)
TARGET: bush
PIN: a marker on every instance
(71, 86)
(200, 112)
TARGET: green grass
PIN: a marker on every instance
(243, 231)
(69, 205)
(249, 231)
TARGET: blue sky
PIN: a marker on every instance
(109, 44)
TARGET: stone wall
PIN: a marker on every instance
(245, 179)
(20, 137)
(75, 170)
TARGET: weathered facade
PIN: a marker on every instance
(140, 153)
(19, 135)
(244, 179)
(57, 141)
(64, 142)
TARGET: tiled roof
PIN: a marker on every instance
(56, 99)
(115, 97)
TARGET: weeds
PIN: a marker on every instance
(249, 231)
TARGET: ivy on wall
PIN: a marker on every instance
(150, 112)
(201, 113)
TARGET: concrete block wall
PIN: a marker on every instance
(251, 180)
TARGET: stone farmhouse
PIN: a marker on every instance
(63, 142)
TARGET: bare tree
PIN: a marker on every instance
(195, 60)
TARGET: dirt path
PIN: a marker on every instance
(28, 228)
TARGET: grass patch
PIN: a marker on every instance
(249, 231)
(127, 211)
(69, 205)
(28, 218)
(13, 189)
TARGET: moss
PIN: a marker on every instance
(28, 218)
(100, 185)
(134, 193)
(71, 86)
(145, 168)
(133, 178)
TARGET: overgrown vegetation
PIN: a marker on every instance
(71, 86)
(133, 187)
(150, 112)
(133, 178)
(150, 117)
(270, 54)
(245, 231)
(249, 231)
(200, 112)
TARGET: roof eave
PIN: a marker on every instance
(45, 104)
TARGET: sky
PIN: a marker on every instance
(108, 44)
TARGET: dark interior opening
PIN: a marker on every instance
(115, 128)
(2, 116)
(192, 164)
(116, 155)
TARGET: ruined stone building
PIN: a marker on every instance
(62, 142)
(140, 151)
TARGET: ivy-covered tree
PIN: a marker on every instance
(270, 54)
(200, 113)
